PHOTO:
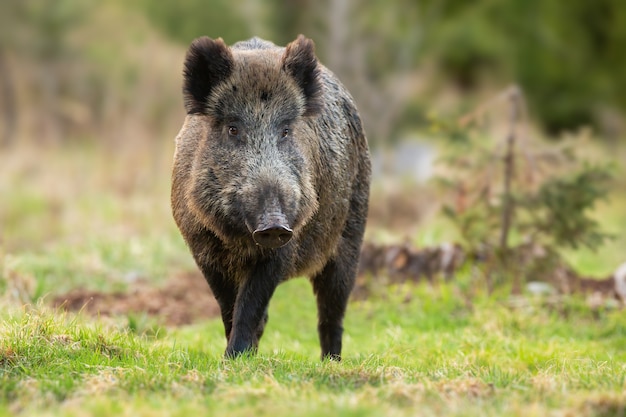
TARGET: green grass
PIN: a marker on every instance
(408, 350)
(433, 354)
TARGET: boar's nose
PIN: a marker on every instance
(272, 236)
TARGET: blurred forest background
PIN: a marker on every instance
(76, 70)
(90, 103)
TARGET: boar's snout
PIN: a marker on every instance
(272, 236)
(272, 228)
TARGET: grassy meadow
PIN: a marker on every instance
(97, 218)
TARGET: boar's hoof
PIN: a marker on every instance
(273, 236)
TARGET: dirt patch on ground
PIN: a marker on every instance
(184, 299)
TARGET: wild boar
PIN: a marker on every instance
(270, 181)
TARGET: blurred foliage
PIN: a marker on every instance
(78, 71)
(36, 32)
(184, 20)
(560, 208)
(568, 57)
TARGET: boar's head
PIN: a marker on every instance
(252, 176)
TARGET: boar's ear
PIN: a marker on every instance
(300, 62)
(208, 62)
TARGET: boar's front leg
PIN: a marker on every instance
(251, 305)
(225, 293)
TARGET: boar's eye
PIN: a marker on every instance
(286, 132)
(233, 131)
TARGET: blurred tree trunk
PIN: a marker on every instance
(8, 103)
(355, 47)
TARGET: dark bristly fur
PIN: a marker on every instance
(272, 141)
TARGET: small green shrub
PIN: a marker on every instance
(516, 205)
